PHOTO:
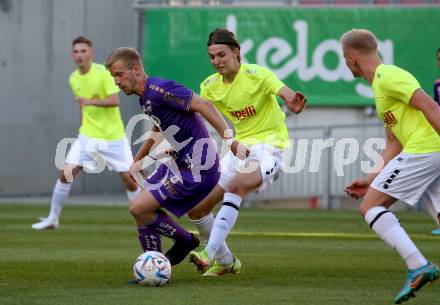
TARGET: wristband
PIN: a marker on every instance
(228, 133)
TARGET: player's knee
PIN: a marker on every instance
(233, 188)
(63, 178)
(69, 172)
(134, 208)
(197, 214)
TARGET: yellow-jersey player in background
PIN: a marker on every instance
(246, 95)
(101, 131)
(411, 167)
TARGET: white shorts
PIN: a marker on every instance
(268, 156)
(96, 154)
(411, 177)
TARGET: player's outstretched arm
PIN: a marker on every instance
(295, 101)
(111, 101)
(213, 116)
(423, 102)
(358, 188)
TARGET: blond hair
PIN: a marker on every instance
(359, 39)
(129, 56)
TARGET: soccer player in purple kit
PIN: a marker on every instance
(172, 109)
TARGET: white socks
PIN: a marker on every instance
(59, 195)
(132, 194)
(223, 224)
(61, 192)
(204, 226)
(387, 226)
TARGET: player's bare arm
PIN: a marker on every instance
(111, 101)
(295, 101)
(213, 116)
(423, 102)
(359, 187)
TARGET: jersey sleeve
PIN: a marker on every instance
(109, 83)
(271, 83)
(204, 91)
(71, 86)
(400, 86)
(206, 94)
(205, 85)
(178, 97)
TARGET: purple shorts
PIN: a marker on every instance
(177, 197)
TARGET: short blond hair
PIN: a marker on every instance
(359, 39)
(129, 56)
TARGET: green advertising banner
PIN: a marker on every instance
(301, 45)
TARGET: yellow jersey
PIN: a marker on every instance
(249, 102)
(393, 88)
(97, 122)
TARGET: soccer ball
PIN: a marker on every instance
(152, 269)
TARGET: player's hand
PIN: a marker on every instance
(239, 150)
(85, 102)
(298, 102)
(165, 154)
(82, 101)
(357, 189)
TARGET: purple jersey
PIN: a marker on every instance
(437, 91)
(167, 104)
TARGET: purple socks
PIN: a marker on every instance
(149, 235)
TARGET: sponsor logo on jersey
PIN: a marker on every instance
(251, 71)
(147, 107)
(169, 185)
(389, 119)
(244, 114)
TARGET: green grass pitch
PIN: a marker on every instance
(293, 257)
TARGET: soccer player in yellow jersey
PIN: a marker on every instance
(246, 95)
(411, 167)
(101, 131)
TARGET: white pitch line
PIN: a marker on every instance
(325, 235)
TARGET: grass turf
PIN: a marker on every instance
(289, 257)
